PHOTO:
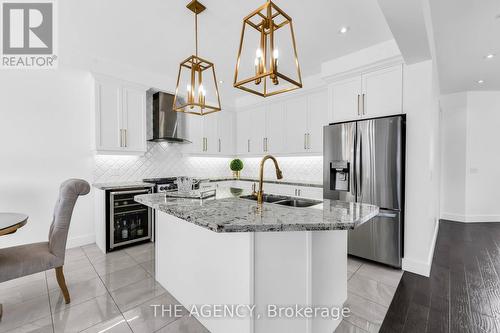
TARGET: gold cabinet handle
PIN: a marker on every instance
(248, 145)
(219, 146)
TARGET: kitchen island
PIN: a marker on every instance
(287, 261)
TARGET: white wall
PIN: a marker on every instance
(454, 143)
(471, 158)
(45, 138)
(420, 103)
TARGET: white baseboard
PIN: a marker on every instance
(80, 241)
(482, 218)
(421, 267)
(470, 218)
(453, 217)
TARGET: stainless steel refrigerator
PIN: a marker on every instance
(364, 161)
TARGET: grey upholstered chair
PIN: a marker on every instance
(18, 261)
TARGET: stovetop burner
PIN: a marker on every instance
(166, 180)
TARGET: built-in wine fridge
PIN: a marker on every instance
(129, 222)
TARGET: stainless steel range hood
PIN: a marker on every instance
(168, 125)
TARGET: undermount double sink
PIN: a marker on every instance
(284, 200)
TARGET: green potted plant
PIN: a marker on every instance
(236, 166)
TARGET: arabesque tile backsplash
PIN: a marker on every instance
(165, 159)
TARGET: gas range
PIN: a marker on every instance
(167, 184)
(163, 184)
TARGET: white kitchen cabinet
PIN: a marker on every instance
(305, 117)
(260, 130)
(120, 110)
(296, 125)
(243, 132)
(274, 141)
(310, 192)
(346, 96)
(195, 134)
(383, 92)
(134, 118)
(257, 130)
(369, 95)
(211, 134)
(317, 117)
(225, 128)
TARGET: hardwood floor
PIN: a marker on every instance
(462, 293)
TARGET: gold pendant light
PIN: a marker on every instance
(268, 34)
(197, 75)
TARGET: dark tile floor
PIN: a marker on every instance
(462, 293)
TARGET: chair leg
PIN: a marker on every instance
(62, 283)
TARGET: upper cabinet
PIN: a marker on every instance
(120, 111)
(287, 127)
(383, 92)
(258, 130)
(274, 140)
(296, 124)
(305, 117)
(211, 134)
(243, 132)
(372, 94)
(317, 118)
(346, 99)
(226, 133)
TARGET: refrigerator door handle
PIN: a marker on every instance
(359, 104)
(358, 171)
(354, 167)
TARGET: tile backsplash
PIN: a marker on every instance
(161, 160)
(298, 168)
(165, 159)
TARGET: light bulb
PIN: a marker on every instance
(276, 54)
(188, 88)
(201, 90)
(256, 61)
(258, 53)
(343, 30)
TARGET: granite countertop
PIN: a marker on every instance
(226, 212)
(121, 185)
(306, 183)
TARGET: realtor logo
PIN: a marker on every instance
(28, 35)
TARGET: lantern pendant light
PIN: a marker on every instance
(197, 75)
(269, 31)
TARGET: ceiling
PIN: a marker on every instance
(158, 34)
(464, 32)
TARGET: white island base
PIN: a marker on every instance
(198, 266)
